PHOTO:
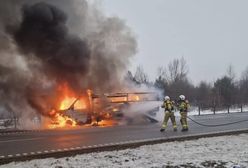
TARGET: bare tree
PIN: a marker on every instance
(140, 76)
(244, 75)
(178, 70)
(230, 72)
(243, 86)
(162, 74)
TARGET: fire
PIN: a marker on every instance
(67, 100)
(134, 98)
(106, 123)
(60, 121)
(68, 97)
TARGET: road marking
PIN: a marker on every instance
(24, 154)
(39, 152)
(45, 151)
(52, 150)
(32, 153)
(2, 156)
(78, 147)
(72, 148)
(111, 143)
(18, 140)
(18, 154)
(10, 155)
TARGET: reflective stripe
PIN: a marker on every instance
(164, 126)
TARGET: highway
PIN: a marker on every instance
(57, 143)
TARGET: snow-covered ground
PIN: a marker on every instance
(218, 152)
(194, 111)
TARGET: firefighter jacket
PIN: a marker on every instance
(183, 105)
(167, 105)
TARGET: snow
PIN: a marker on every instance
(233, 109)
(194, 111)
(224, 151)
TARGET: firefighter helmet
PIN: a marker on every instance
(166, 98)
(182, 97)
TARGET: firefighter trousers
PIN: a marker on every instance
(169, 115)
(183, 120)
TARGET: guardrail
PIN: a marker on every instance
(227, 109)
(9, 123)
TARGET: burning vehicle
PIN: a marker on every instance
(53, 52)
(96, 109)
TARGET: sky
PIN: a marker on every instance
(211, 35)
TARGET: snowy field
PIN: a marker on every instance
(216, 152)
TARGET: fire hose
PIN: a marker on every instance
(217, 125)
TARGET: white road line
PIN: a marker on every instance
(2, 156)
(45, 151)
(129, 141)
(72, 148)
(18, 140)
(59, 150)
(18, 154)
(32, 153)
(65, 149)
(10, 155)
(52, 150)
(78, 147)
(24, 154)
(111, 143)
(39, 152)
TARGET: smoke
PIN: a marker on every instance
(46, 43)
(43, 32)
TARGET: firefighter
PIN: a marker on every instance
(169, 113)
(183, 106)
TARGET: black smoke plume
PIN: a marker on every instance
(43, 32)
(45, 43)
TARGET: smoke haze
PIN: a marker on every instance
(47, 43)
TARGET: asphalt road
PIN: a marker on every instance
(33, 143)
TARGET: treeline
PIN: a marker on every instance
(173, 80)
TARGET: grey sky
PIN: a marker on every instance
(210, 34)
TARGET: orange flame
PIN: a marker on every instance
(66, 99)
(67, 102)
(60, 121)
